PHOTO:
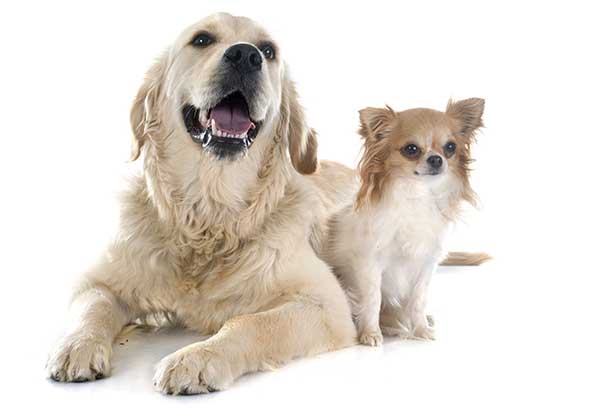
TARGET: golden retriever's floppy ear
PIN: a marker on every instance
(301, 140)
(375, 122)
(468, 112)
(144, 115)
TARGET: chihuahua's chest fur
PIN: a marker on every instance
(410, 222)
(409, 228)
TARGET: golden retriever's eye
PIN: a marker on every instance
(268, 51)
(411, 151)
(449, 149)
(202, 40)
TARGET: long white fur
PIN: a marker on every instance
(386, 253)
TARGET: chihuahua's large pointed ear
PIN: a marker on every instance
(144, 116)
(301, 140)
(375, 122)
(468, 112)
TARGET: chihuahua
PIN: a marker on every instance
(384, 248)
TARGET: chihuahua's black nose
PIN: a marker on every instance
(243, 57)
(435, 161)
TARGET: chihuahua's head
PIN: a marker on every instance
(419, 145)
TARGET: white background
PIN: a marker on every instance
(520, 332)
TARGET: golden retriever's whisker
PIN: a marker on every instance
(184, 77)
(168, 71)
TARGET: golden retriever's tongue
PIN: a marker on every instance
(231, 117)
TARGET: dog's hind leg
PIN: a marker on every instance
(97, 317)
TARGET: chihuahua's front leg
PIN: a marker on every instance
(366, 295)
(96, 318)
(404, 303)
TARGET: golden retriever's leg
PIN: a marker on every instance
(260, 341)
(83, 354)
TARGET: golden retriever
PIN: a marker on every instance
(220, 229)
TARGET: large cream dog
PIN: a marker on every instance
(218, 233)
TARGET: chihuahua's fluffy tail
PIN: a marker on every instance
(465, 259)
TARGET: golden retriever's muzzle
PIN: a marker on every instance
(229, 129)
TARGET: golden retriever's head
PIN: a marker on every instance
(220, 89)
(427, 147)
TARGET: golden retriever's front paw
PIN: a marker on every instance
(79, 358)
(371, 338)
(192, 370)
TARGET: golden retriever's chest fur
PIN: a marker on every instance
(204, 295)
(200, 306)
(204, 274)
(223, 286)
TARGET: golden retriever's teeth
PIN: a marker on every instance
(216, 132)
(204, 121)
(206, 138)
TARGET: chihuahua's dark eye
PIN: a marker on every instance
(268, 51)
(202, 40)
(449, 149)
(411, 150)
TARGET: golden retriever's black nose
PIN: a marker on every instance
(435, 161)
(244, 57)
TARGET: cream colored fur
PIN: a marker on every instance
(385, 256)
(385, 246)
(223, 247)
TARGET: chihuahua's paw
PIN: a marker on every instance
(371, 338)
(79, 358)
(424, 333)
(192, 370)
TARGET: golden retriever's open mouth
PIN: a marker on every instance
(228, 129)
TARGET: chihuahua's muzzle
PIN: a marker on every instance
(433, 165)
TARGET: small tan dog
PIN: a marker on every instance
(215, 232)
(414, 175)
